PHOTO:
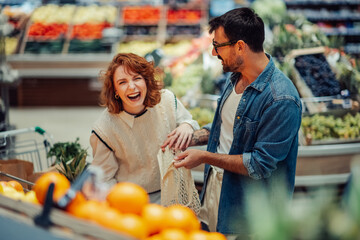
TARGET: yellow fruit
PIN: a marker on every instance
(3, 183)
(127, 197)
(8, 189)
(15, 184)
(30, 196)
(155, 217)
(12, 193)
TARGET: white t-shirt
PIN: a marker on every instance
(227, 126)
(209, 210)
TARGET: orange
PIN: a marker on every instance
(15, 184)
(199, 235)
(108, 217)
(179, 216)
(154, 215)
(42, 184)
(127, 197)
(216, 236)
(196, 225)
(155, 237)
(174, 234)
(79, 199)
(132, 225)
(90, 210)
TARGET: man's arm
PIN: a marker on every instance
(200, 137)
(193, 157)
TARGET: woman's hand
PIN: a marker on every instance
(179, 138)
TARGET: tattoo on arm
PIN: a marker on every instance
(200, 137)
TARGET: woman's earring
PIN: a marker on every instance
(116, 96)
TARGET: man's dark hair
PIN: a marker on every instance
(241, 24)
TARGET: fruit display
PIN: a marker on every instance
(141, 14)
(87, 28)
(50, 21)
(126, 209)
(186, 16)
(95, 14)
(10, 45)
(48, 28)
(202, 115)
(138, 47)
(90, 21)
(191, 76)
(176, 48)
(348, 72)
(317, 73)
(321, 127)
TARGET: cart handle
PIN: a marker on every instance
(39, 130)
(23, 130)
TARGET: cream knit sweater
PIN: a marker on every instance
(135, 141)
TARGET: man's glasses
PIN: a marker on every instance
(216, 46)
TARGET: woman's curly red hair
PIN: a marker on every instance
(135, 64)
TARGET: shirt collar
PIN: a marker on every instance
(129, 118)
(261, 80)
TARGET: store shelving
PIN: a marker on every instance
(334, 17)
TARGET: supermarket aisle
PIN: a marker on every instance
(63, 123)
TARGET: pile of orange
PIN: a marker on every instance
(127, 210)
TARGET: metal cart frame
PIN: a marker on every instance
(28, 149)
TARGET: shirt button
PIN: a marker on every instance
(238, 117)
(244, 100)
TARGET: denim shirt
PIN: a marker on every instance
(265, 132)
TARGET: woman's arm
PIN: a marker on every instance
(181, 136)
(104, 158)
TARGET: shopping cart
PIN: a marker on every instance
(15, 145)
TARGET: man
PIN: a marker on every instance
(253, 140)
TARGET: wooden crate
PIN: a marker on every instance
(300, 84)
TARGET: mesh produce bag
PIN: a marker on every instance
(177, 184)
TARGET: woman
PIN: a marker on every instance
(138, 118)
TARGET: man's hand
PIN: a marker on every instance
(179, 138)
(190, 158)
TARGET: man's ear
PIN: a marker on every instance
(240, 45)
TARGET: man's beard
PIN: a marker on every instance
(232, 67)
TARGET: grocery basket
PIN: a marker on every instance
(32, 149)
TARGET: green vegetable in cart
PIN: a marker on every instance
(70, 157)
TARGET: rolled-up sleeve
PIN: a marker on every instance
(276, 134)
(104, 158)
